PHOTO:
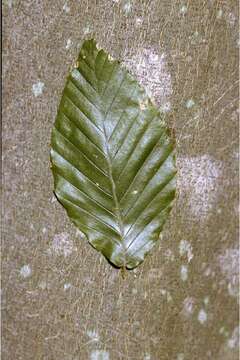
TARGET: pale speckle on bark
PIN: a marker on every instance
(26, 271)
(38, 88)
(233, 341)
(62, 244)
(229, 265)
(185, 249)
(93, 335)
(151, 70)
(180, 356)
(66, 8)
(184, 272)
(202, 316)
(188, 306)
(198, 179)
(69, 44)
(99, 355)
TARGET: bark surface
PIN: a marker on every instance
(60, 298)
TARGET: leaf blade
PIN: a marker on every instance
(113, 163)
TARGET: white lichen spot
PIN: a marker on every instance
(38, 88)
(207, 271)
(236, 155)
(44, 230)
(66, 8)
(197, 181)
(231, 19)
(190, 103)
(110, 58)
(53, 199)
(139, 21)
(93, 335)
(25, 271)
(233, 342)
(147, 356)
(161, 237)
(229, 265)
(188, 306)
(184, 272)
(99, 355)
(206, 300)
(150, 68)
(69, 44)
(135, 192)
(62, 245)
(219, 14)
(163, 291)
(127, 7)
(169, 297)
(180, 356)
(166, 294)
(166, 107)
(233, 288)
(183, 10)
(87, 30)
(67, 286)
(195, 38)
(202, 316)
(185, 248)
(223, 331)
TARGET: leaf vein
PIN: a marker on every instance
(77, 127)
(141, 167)
(90, 120)
(85, 176)
(83, 94)
(140, 138)
(141, 213)
(85, 156)
(120, 117)
(87, 226)
(125, 137)
(149, 222)
(90, 214)
(85, 194)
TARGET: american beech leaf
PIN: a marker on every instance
(112, 159)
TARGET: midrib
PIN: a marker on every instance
(117, 210)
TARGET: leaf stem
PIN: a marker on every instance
(123, 272)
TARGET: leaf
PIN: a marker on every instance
(112, 159)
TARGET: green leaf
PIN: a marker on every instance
(112, 159)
